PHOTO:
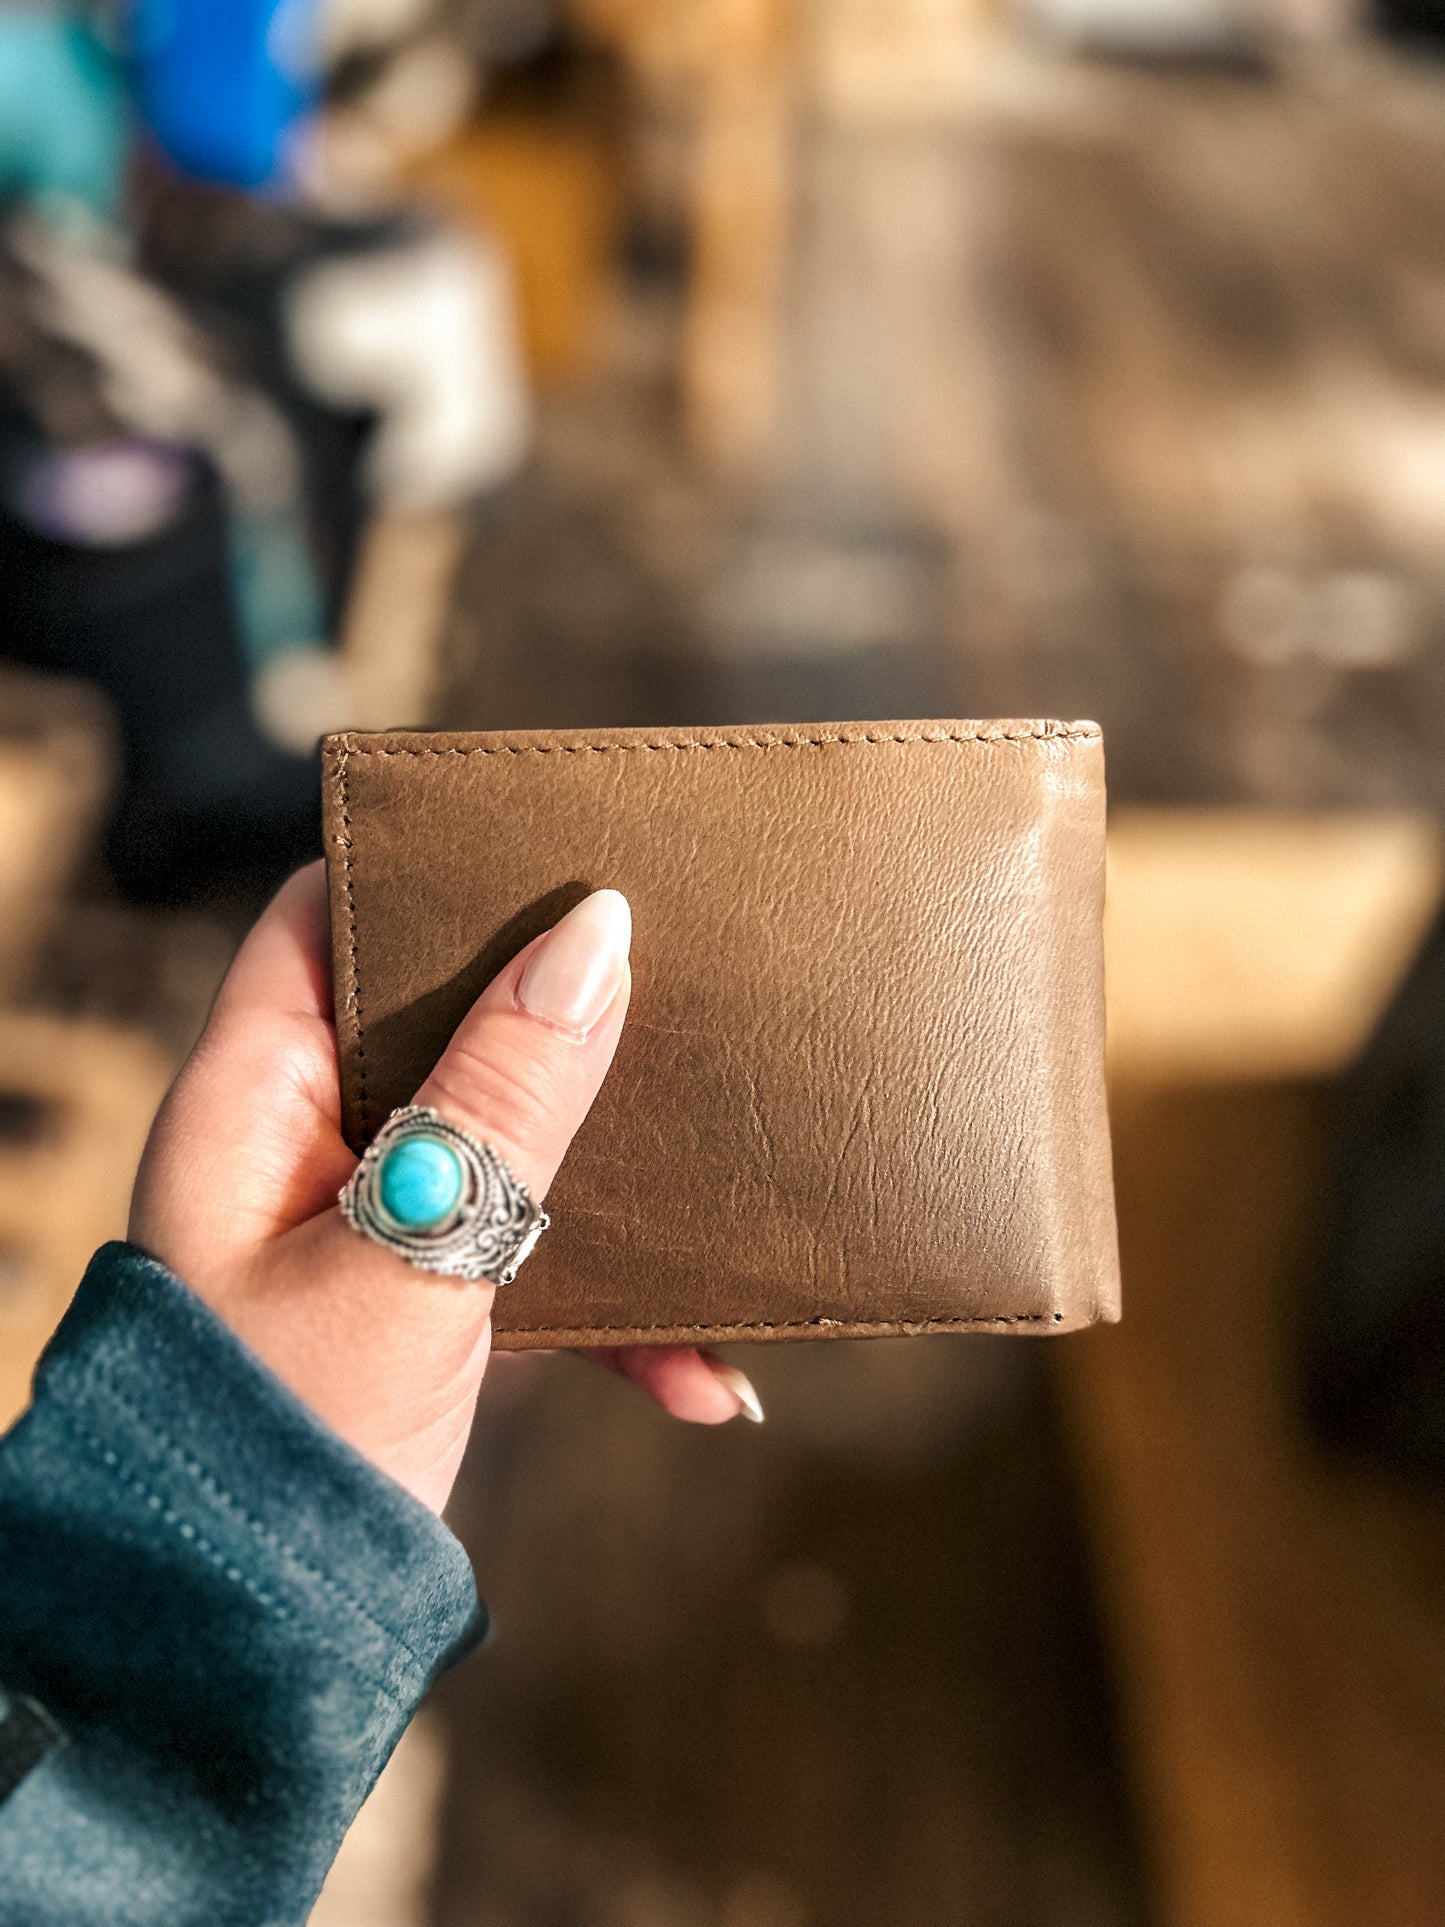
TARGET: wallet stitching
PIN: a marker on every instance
(1087, 735)
(353, 1000)
(606, 749)
(795, 1325)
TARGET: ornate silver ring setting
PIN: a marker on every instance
(442, 1200)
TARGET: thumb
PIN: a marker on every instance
(390, 1356)
(526, 1062)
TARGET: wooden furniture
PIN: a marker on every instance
(76, 1102)
(397, 614)
(56, 763)
(1278, 1619)
(545, 187)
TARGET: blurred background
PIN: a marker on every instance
(486, 363)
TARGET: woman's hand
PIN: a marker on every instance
(237, 1189)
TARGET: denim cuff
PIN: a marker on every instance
(228, 1611)
(201, 1442)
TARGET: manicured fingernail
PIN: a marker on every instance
(578, 967)
(739, 1384)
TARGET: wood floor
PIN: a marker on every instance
(1280, 1615)
(842, 1668)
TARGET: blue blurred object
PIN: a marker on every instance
(64, 116)
(223, 85)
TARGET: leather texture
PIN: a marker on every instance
(861, 1085)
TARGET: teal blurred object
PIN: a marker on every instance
(274, 581)
(64, 115)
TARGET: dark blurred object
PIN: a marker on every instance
(205, 800)
(230, 261)
(1375, 1337)
(385, 340)
(1417, 22)
(115, 569)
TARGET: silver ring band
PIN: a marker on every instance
(441, 1199)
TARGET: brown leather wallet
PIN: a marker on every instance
(861, 1085)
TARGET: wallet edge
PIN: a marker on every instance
(524, 1338)
(1102, 1306)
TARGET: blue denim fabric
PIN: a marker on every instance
(230, 1614)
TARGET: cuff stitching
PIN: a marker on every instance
(169, 1516)
(265, 1534)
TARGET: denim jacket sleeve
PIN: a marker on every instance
(222, 1611)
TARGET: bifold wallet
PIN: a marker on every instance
(861, 1085)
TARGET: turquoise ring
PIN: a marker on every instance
(442, 1199)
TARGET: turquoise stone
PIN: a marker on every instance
(420, 1183)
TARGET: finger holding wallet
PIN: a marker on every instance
(238, 1190)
